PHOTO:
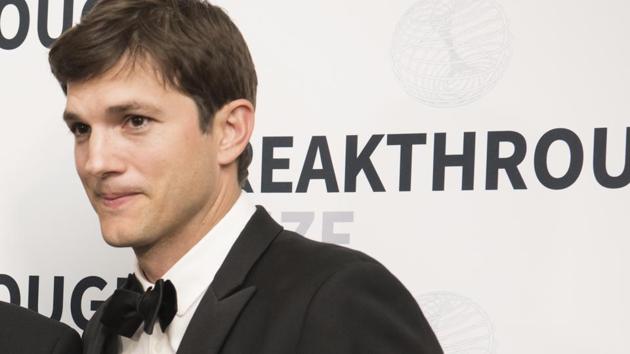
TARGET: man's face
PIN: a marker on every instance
(147, 168)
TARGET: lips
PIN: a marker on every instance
(117, 200)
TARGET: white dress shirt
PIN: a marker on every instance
(191, 276)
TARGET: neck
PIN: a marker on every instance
(156, 259)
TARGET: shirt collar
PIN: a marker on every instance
(194, 272)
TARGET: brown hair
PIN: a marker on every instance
(196, 47)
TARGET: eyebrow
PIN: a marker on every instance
(70, 116)
(132, 106)
(117, 110)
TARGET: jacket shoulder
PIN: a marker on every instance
(295, 266)
(298, 256)
(363, 308)
(340, 294)
(25, 331)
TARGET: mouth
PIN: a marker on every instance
(117, 201)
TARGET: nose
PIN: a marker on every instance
(102, 155)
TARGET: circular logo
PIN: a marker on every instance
(461, 326)
(448, 53)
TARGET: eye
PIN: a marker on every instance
(137, 121)
(79, 129)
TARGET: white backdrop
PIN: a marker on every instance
(534, 270)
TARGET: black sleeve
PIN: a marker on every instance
(364, 309)
(24, 331)
(69, 342)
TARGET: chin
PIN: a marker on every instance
(117, 241)
(118, 237)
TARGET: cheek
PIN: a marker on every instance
(184, 171)
(173, 160)
(80, 157)
(158, 168)
(183, 151)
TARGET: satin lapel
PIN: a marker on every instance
(213, 321)
(225, 299)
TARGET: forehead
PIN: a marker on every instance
(128, 80)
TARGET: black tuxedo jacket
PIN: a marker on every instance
(280, 293)
(26, 332)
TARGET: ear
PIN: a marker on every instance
(234, 122)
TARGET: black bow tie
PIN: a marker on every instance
(131, 305)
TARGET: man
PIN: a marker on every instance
(26, 332)
(160, 99)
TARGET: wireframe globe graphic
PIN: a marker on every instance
(461, 326)
(448, 53)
